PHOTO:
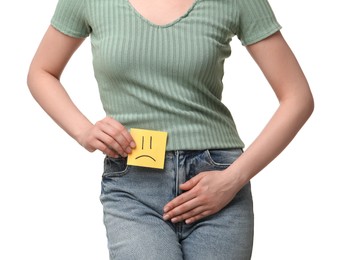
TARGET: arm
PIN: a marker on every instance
(286, 78)
(43, 80)
(207, 194)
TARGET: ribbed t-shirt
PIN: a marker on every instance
(167, 77)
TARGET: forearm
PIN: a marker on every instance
(52, 97)
(278, 133)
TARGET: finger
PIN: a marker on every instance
(111, 152)
(110, 144)
(130, 139)
(117, 131)
(98, 145)
(127, 138)
(185, 210)
(198, 217)
(117, 148)
(111, 137)
(191, 183)
(189, 214)
(181, 199)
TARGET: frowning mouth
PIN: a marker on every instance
(138, 157)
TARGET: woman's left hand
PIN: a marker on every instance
(206, 194)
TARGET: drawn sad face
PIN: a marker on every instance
(146, 148)
(150, 148)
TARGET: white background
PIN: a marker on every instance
(50, 186)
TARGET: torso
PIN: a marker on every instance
(166, 59)
(159, 64)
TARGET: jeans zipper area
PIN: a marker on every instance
(180, 177)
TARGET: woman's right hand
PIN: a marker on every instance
(108, 136)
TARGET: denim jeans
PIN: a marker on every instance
(133, 199)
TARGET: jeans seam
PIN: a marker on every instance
(177, 174)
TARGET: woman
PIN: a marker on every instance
(159, 66)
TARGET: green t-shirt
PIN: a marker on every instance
(169, 77)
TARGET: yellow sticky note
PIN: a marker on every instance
(150, 148)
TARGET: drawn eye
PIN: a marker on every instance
(150, 142)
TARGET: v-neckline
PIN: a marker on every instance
(162, 25)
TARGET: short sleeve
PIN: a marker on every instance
(70, 18)
(255, 21)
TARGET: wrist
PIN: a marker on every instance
(238, 178)
(81, 131)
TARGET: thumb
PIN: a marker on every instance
(191, 183)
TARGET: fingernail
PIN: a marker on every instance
(124, 155)
(132, 145)
(188, 221)
(166, 217)
(174, 220)
(128, 150)
(166, 209)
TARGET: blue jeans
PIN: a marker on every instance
(133, 199)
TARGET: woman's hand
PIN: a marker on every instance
(108, 136)
(206, 194)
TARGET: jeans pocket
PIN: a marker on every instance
(223, 157)
(115, 167)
